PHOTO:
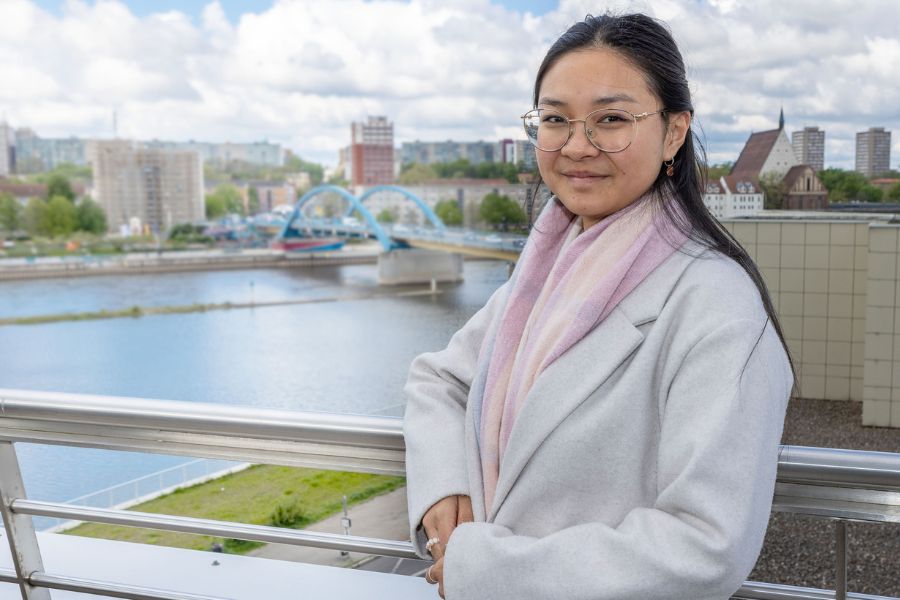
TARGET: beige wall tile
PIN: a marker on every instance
(883, 266)
(862, 234)
(768, 255)
(792, 326)
(876, 413)
(815, 280)
(842, 234)
(857, 353)
(796, 348)
(791, 280)
(840, 330)
(878, 373)
(840, 281)
(837, 388)
(895, 414)
(817, 257)
(858, 328)
(793, 233)
(840, 306)
(876, 393)
(814, 353)
(859, 306)
(860, 258)
(879, 320)
(745, 233)
(856, 389)
(860, 282)
(817, 233)
(792, 257)
(772, 277)
(879, 346)
(751, 250)
(856, 371)
(768, 233)
(838, 371)
(790, 304)
(815, 328)
(880, 293)
(840, 257)
(812, 386)
(882, 239)
(815, 305)
(896, 382)
(812, 370)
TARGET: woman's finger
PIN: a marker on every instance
(437, 573)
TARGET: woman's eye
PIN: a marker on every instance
(552, 119)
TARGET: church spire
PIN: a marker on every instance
(781, 119)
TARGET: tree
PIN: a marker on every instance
(226, 199)
(10, 213)
(719, 170)
(893, 193)
(842, 185)
(501, 211)
(61, 216)
(870, 193)
(385, 216)
(252, 200)
(416, 173)
(448, 211)
(774, 191)
(59, 186)
(91, 217)
(35, 217)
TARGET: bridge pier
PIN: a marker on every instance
(415, 265)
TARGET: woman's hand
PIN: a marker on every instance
(439, 522)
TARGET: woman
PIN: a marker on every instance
(607, 426)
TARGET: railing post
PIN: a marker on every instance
(23, 544)
(840, 547)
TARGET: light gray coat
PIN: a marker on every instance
(642, 463)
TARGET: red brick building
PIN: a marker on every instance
(372, 152)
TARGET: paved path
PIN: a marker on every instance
(382, 517)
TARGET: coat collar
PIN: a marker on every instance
(572, 378)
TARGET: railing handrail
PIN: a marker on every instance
(835, 483)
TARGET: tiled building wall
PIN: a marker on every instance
(817, 274)
(881, 404)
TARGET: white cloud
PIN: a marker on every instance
(299, 72)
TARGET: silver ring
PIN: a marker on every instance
(428, 576)
(431, 543)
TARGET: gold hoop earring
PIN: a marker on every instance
(670, 167)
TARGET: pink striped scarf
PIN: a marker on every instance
(565, 286)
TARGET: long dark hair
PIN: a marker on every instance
(648, 45)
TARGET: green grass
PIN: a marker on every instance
(261, 495)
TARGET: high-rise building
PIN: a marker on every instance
(6, 149)
(809, 147)
(372, 152)
(161, 188)
(873, 151)
(429, 153)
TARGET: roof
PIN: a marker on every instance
(755, 153)
(795, 173)
(742, 184)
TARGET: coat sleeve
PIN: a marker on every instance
(436, 391)
(720, 431)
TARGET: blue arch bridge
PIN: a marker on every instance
(410, 254)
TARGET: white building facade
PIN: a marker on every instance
(732, 197)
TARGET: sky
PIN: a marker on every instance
(298, 72)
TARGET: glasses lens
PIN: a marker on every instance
(610, 130)
(546, 129)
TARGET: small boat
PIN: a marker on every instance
(308, 244)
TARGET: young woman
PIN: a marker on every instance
(607, 426)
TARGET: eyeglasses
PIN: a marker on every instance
(607, 129)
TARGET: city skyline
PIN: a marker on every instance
(297, 73)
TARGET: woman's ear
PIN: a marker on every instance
(677, 130)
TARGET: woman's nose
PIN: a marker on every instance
(579, 146)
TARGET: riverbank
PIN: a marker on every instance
(181, 261)
(259, 495)
(141, 311)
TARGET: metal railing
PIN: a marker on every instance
(843, 485)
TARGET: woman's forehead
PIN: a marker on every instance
(594, 76)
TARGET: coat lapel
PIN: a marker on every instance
(580, 371)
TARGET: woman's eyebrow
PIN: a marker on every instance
(602, 100)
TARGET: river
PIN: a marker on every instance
(348, 356)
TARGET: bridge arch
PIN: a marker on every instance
(429, 214)
(355, 204)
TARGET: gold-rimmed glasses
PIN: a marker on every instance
(607, 129)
